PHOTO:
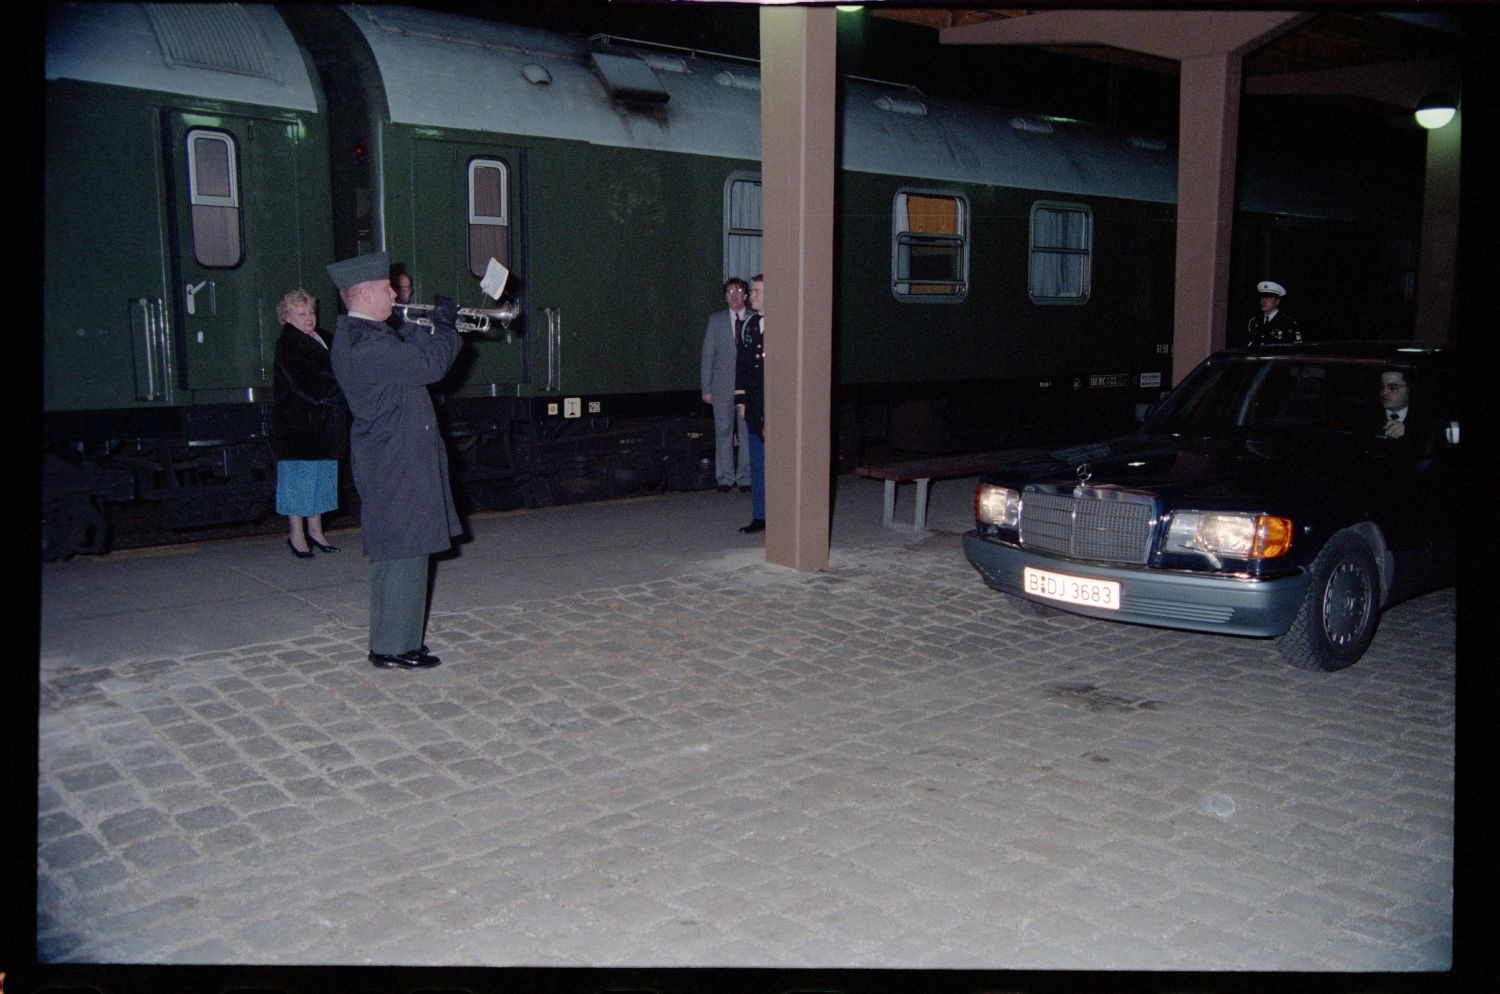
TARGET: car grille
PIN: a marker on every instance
(1104, 525)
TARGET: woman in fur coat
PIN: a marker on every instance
(309, 425)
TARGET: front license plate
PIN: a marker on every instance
(1072, 589)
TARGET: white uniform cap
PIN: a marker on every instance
(1267, 286)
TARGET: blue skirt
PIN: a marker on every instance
(306, 487)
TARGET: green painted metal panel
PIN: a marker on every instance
(637, 262)
(103, 242)
(120, 256)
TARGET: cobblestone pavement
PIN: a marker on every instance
(879, 765)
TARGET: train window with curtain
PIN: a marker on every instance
(742, 231)
(214, 196)
(489, 215)
(930, 247)
(1062, 246)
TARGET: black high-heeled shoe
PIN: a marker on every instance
(320, 546)
(297, 552)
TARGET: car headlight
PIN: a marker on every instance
(997, 505)
(1229, 535)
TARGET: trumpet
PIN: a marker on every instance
(470, 319)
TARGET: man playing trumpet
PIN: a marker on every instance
(396, 451)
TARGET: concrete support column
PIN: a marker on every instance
(1209, 102)
(798, 97)
(1439, 246)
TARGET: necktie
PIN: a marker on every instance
(739, 323)
(1392, 416)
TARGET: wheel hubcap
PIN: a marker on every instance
(1346, 604)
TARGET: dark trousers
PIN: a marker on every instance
(398, 604)
(757, 476)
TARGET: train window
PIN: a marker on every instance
(1062, 245)
(742, 231)
(489, 215)
(214, 195)
(930, 247)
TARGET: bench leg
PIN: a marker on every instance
(919, 516)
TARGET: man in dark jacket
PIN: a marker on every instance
(396, 451)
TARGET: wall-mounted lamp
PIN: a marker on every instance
(1436, 110)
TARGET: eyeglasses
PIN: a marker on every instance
(734, 289)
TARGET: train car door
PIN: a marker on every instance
(236, 244)
(466, 207)
(104, 302)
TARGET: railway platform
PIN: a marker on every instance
(647, 748)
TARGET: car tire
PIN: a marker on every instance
(1030, 608)
(1337, 619)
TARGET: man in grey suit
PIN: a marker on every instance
(720, 341)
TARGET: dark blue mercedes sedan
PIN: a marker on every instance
(1289, 492)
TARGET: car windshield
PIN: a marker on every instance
(1296, 393)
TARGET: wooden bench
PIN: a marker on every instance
(922, 472)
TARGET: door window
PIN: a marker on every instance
(213, 192)
(489, 215)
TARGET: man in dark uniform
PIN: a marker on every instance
(1272, 326)
(750, 401)
(396, 451)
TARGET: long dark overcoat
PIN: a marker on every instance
(309, 419)
(396, 450)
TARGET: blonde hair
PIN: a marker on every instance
(295, 298)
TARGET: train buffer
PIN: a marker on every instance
(922, 472)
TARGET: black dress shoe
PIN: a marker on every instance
(298, 552)
(744, 490)
(320, 546)
(756, 525)
(724, 488)
(416, 659)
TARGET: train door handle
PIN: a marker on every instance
(192, 296)
(150, 348)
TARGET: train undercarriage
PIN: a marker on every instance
(169, 476)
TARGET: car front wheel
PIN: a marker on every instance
(1336, 621)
